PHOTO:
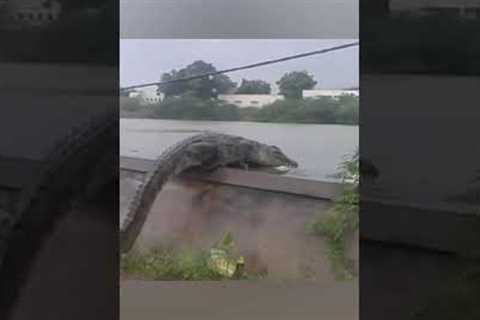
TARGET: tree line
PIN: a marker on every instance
(197, 99)
(324, 110)
(291, 84)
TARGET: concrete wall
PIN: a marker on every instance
(267, 214)
(250, 100)
(327, 93)
(269, 227)
(384, 221)
(147, 95)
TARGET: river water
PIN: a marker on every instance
(317, 148)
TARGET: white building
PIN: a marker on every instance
(250, 100)
(32, 13)
(328, 93)
(147, 95)
(465, 8)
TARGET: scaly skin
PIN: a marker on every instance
(206, 151)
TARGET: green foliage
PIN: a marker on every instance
(227, 243)
(292, 84)
(254, 87)
(207, 87)
(342, 110)
(181, 264)
(341, 220)
(167, 264)
(192, 108)
(180, 108)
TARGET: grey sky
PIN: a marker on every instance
(144, 60)
(225, 19)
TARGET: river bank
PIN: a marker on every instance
(322, 110)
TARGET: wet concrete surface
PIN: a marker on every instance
(238, 300)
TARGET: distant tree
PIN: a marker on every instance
(254, 87)
(293, 83)
(207, 87)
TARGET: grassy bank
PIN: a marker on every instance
(221, 262)
(325, 110)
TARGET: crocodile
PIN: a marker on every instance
(206, 151)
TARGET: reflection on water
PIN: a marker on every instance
(317, 148)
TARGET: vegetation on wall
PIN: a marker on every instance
(162, 263)
(342, 219)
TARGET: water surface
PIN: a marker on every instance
(317, 148)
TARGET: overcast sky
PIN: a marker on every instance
(144, 60)
(225, 19)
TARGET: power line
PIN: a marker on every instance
(250, 66)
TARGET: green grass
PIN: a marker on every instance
(341, 220)
(161, 264)
(169, 264)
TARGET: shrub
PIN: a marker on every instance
(341, 220)
(341, 110)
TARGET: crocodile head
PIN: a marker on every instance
(269, 156)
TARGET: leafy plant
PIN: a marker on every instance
(342, 219)
(186, 264)
(166, 264)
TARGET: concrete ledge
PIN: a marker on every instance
(249, 179)
(271, 182)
